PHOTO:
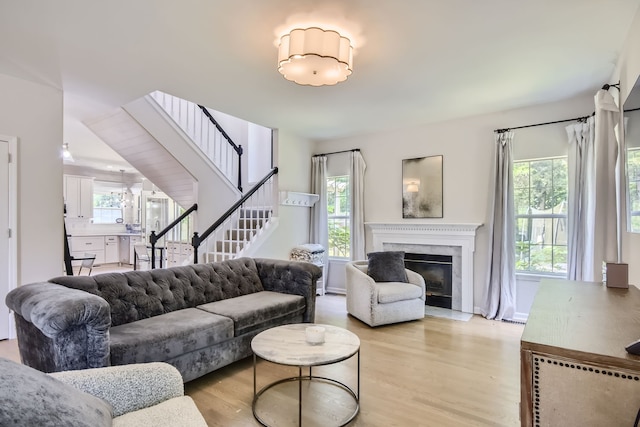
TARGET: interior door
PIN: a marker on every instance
(6, 258)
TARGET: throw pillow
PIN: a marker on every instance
(387, 266)
(31, 398)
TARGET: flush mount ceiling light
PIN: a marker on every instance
(315, 57)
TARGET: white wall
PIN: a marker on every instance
(468, 149)
(292, 156)
(33, 113)
(627, 72)
(258, 152)
(256, 144)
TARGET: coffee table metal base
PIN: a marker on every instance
(300, 379)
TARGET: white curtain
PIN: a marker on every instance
(607, 218)
(357, 167)
(581, 209)
(501, 281)
(319, 231)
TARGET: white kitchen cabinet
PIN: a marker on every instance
(81, 245)
(78, 196)
(132, 241)
(111, 250)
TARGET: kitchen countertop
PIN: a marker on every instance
(104, 234)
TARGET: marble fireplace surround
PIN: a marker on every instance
(456, 240)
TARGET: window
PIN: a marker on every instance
(106, 207)
(338, 216)
(540, 195)
(633, 174)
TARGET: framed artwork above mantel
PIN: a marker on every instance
(422, 187)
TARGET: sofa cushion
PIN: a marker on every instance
(137, 295)
(387, 266)
(31, 398)
(257, 311)
(397, 291)
(163, 337)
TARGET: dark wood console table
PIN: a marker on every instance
(575, 370)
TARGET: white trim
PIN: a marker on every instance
(12, 274)
(462, 235)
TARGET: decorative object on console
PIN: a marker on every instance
(387, 266)
(422, 187)
(616, 275)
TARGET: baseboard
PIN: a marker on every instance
(331, 290)
(519, 318)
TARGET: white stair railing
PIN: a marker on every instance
(205, 133)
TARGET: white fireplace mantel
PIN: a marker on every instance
(434, 234)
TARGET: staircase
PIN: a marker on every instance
(242, 228)
(181, 148)
(235, 239)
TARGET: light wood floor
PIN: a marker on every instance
(432, 372)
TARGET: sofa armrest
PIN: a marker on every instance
(291, 277)
(128, 387)
(60, 328)
(416, 279)
(361, 288)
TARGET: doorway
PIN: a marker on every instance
(8, 245)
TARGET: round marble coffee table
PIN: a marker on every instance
(286, 345)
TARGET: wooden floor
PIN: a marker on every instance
(432, 372)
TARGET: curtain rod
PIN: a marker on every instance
(336, 152)
(557, 121)
(540, 124)
(605, 87)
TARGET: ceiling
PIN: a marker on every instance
(415, 61)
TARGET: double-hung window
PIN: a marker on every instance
(633, 178)
(107, 202)
(338, 217)
(540, 195)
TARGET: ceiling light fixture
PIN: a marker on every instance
(315, 57)
(66, 154)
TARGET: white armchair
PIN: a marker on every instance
(381, 303)
(141, 395)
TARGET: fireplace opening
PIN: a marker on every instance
(437, 271)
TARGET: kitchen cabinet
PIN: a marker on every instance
(111, 249)
(132, 241)
(78, 196)
(81, 245)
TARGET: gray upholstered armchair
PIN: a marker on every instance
(146, 394)
(381, 303)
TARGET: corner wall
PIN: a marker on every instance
(33, 113)
(292, 156)
(627, 72)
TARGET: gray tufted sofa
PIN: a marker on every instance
(197, 318)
